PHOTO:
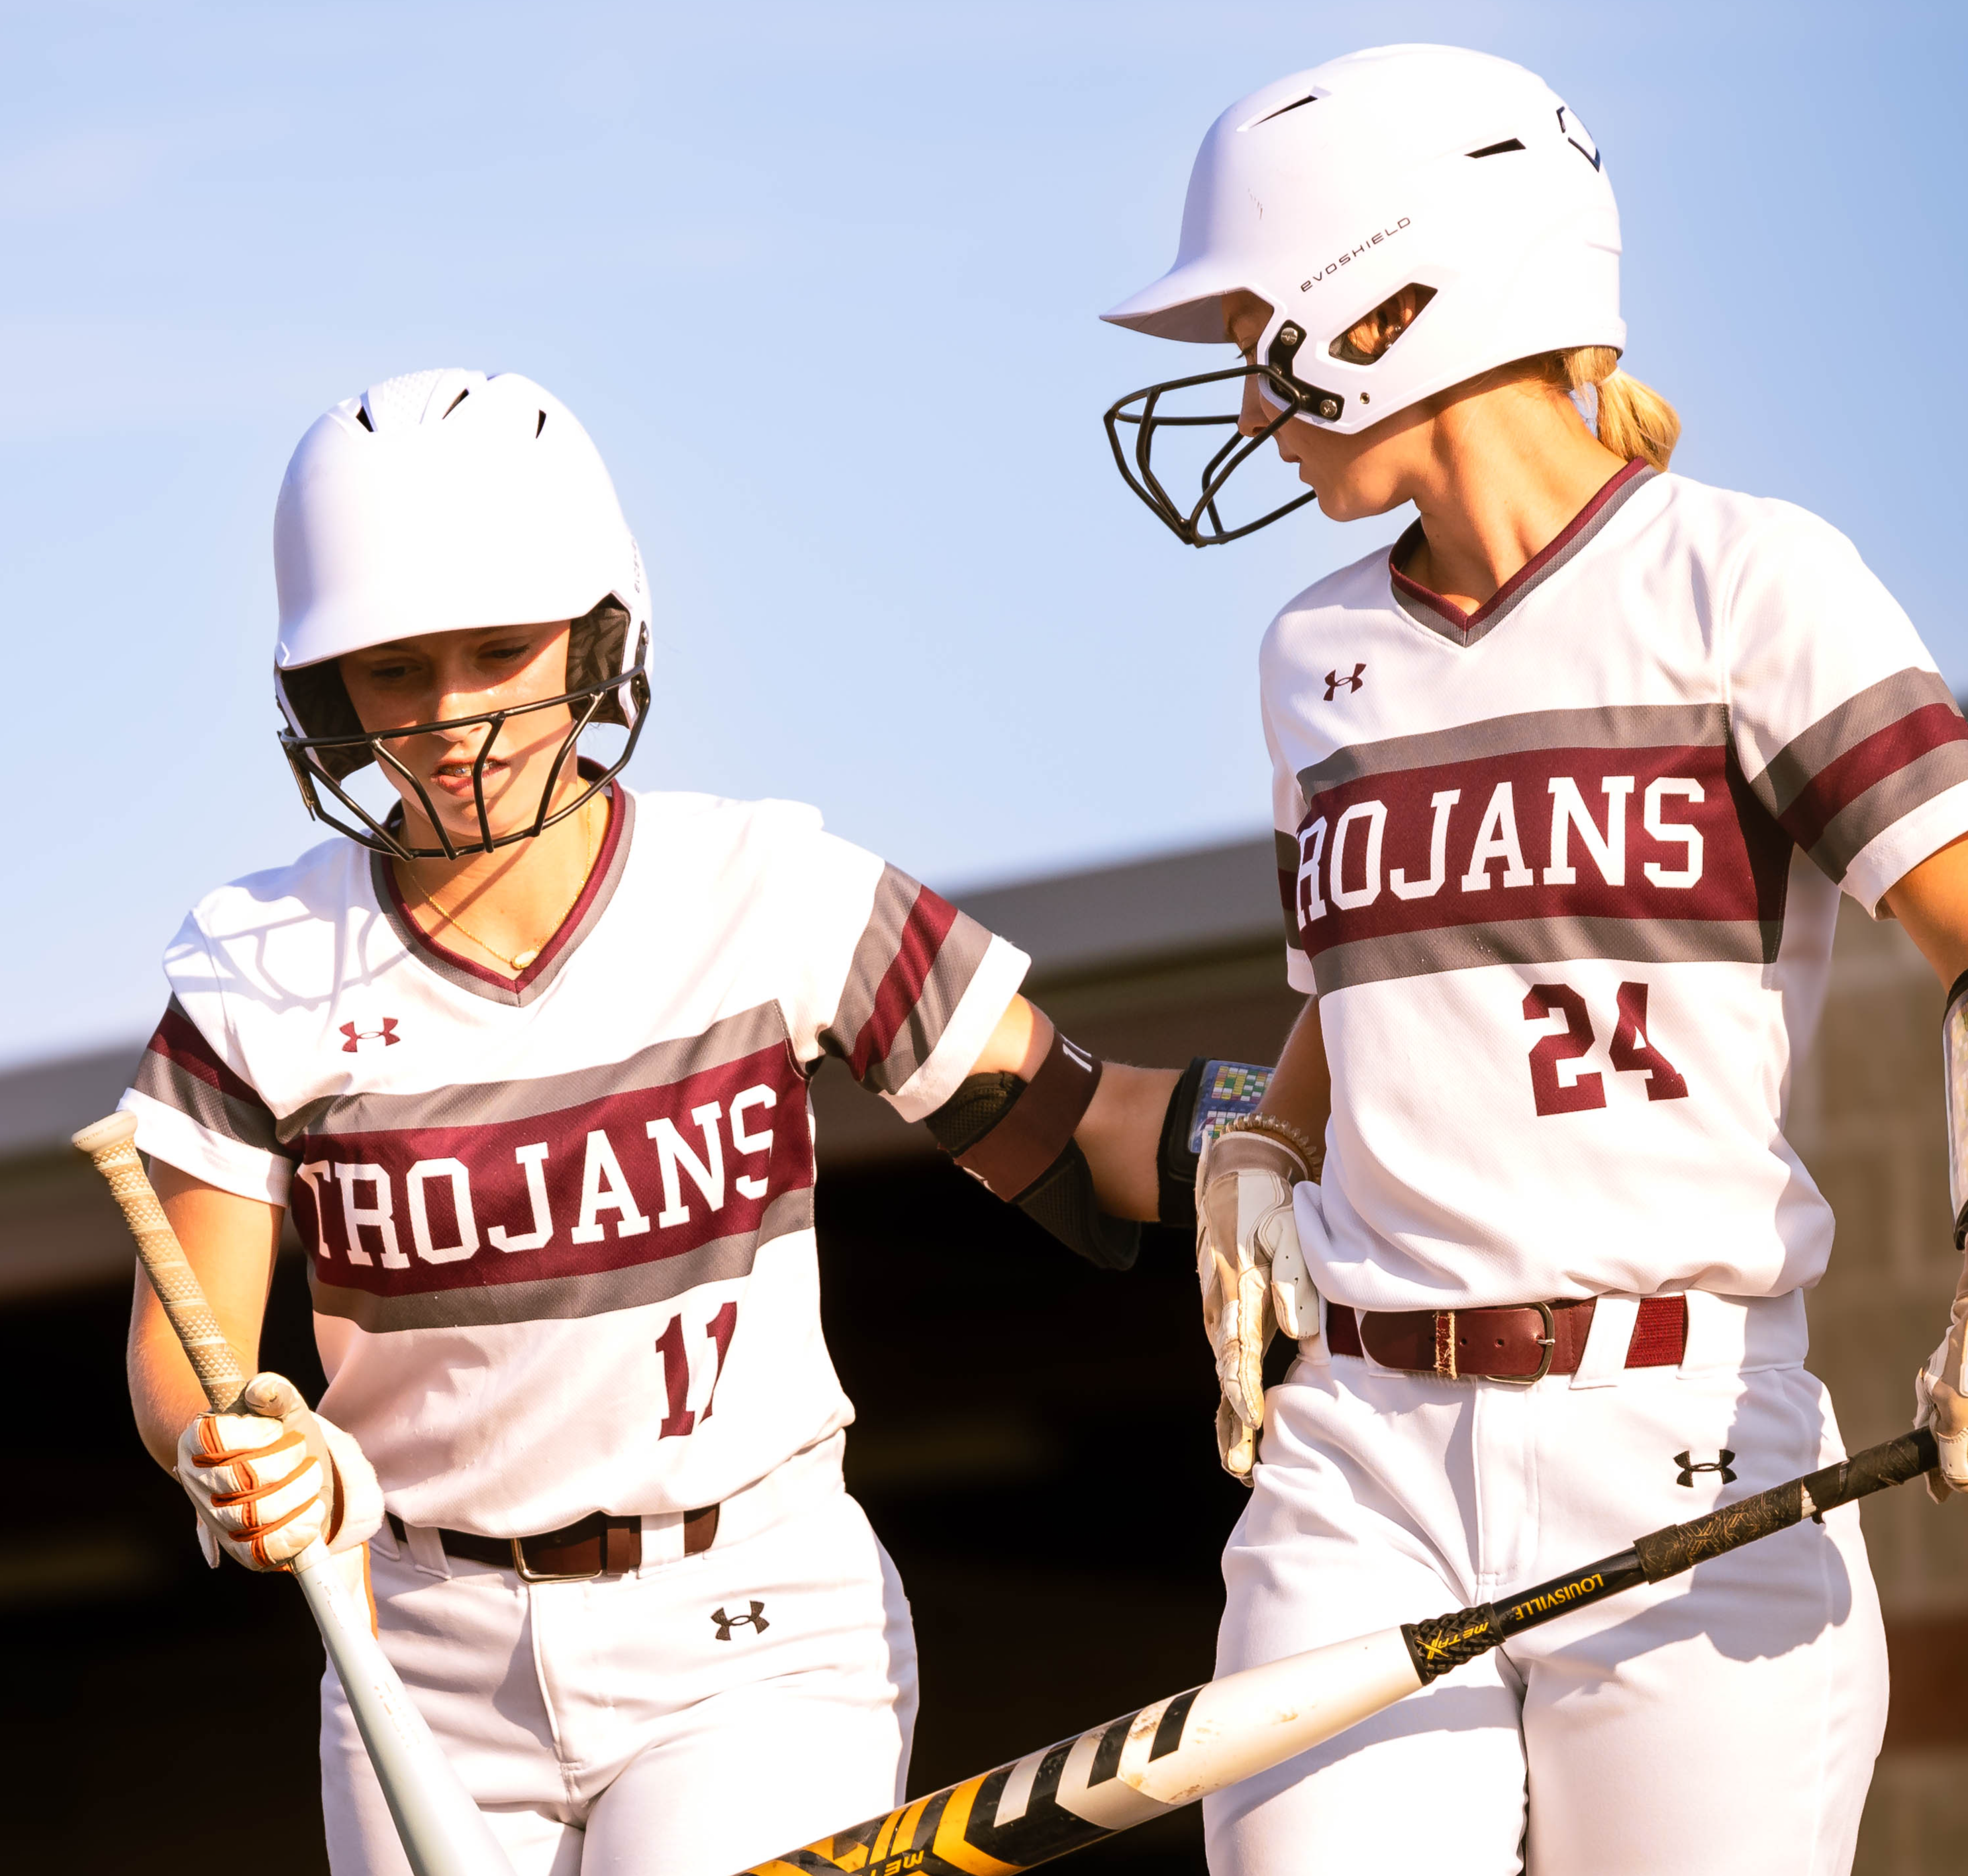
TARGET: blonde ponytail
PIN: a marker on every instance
(1634, 419)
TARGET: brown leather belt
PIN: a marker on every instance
(1520, 1342)
(596, 1545)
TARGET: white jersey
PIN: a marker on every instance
(560, 1230)
(1564, 874)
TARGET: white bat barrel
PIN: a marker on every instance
(1142, 1766)
(1248, 1721)
(443, 1833)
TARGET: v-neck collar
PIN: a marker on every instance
(1444, 617)
(582, 917)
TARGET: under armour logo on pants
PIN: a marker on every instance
(727, 1623)
(1720, 1463)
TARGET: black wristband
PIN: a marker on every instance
(1175, 1165)
(1211, 1092)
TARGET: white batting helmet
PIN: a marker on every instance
(1326, 193)
(435, 501)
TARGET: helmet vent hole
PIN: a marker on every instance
(1369, 339)
(362, 418)
(455, 401)
(1309, 98)
(1498, 150)
(541, 425)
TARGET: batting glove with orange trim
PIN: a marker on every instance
(266, 1483)
(1253, 1275)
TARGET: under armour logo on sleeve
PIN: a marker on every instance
(1720, 1463)
(727, 1623)
(357, 1037)
(1334, 681)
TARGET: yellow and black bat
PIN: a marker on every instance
(1146, 1764)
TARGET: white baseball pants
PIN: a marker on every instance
(701, 1715)
(1724, 1722)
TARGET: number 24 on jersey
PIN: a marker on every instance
(1632, 1050)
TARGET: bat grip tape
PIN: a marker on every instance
(1445, 1642)
(178, 1290)
(1664, 1553)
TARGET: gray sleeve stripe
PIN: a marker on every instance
(915, 960)
(1794, 767)
(1855, 827)
(165, 1081)
(895, 895)
(956, 963)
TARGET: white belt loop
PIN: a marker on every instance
(1717, 1333)
(1316, 1348)
(1602, 1361)
(383, 1542)
(662, 1539)
(1744, 1334)
(426, 1550)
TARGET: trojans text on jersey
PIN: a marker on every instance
(1508, 841)
(568, 1196)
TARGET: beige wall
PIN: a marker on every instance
(1868, 1118)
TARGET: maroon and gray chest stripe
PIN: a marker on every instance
(1625, 832)
(564, 1196)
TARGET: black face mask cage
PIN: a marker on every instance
(1299, 399)
(322, 761)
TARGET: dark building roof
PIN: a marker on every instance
(1206, 901)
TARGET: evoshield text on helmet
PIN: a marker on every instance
(437, 502)
(1459, 175)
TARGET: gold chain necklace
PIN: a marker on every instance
(519, 961)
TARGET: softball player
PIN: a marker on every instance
(526, 1060)
(1568, 780)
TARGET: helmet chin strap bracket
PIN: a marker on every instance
(1281, 353)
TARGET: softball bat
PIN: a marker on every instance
(442, 1830)
(1146, 1764)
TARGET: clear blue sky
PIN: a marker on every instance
(822, 281)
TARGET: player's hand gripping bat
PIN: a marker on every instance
(1145, 1764)
(443, 1833)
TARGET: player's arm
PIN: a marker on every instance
(922, 1003)
(1120, 1127)
(1931, 902)
(230, 1242)
(1069, 1140)
(1300, 1093)
(266, 1479)
(1091, 1149)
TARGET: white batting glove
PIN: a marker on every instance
(1253, 1275)
(1940, 1401)
(267, 1483)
